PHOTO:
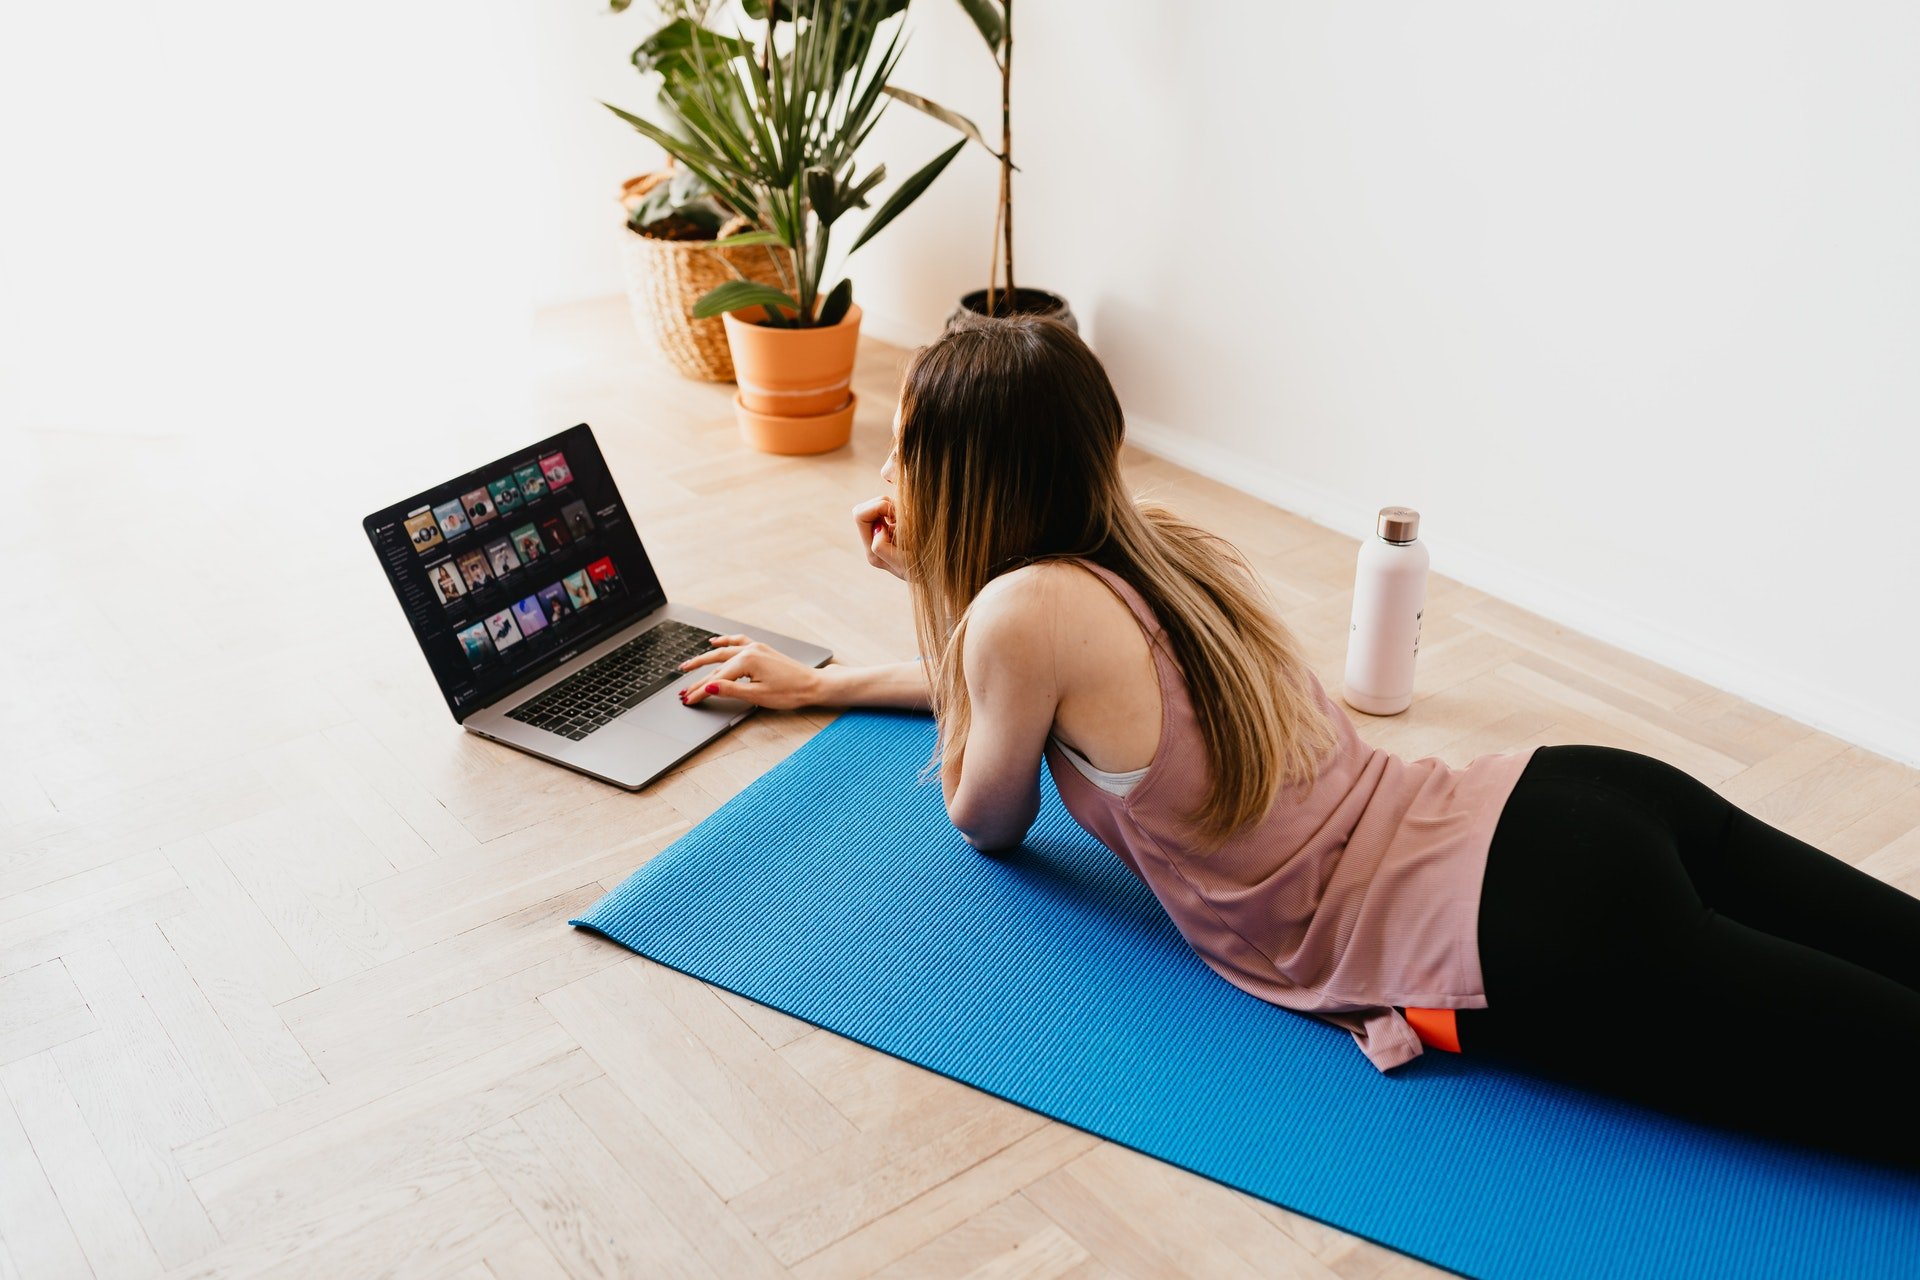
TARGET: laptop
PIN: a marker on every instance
(540, 615)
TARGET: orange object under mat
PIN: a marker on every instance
(1435, 1027)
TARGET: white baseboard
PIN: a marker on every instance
(1784, 693)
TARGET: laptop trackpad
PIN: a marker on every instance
(685, 724)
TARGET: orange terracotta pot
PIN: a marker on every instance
(783, 433)
(796, 373)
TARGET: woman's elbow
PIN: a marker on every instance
(993, 837)
(991, 842)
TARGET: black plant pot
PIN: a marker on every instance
(1026, 302)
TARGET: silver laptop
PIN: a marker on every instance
(541, 617)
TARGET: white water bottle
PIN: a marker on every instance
(1389, 599)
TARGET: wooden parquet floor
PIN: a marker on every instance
(285, 982)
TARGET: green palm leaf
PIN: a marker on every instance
(735, 294)
(905, 194)
(944, 116)
(987, 19)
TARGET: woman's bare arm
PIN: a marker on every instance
(738, 667)
(890, 684)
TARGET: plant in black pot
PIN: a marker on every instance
(994, 20)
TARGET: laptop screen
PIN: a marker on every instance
(515, 566)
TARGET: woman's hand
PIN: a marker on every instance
(876, 521)
(778, 682)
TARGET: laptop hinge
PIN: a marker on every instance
(549, 665)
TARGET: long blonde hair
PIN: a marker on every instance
(1009, 453)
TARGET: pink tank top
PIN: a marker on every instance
(1356, 896)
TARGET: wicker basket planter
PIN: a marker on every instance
(666, 277)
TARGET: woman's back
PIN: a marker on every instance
(1350, 897)
(1109, 708)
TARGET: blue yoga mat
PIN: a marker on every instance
(835, 889)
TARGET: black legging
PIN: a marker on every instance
(1642, 936)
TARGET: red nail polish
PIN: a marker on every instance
(713, 688)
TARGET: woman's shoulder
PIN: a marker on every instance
(1013, 610)
(1060, 588)
(1092, 614)
(1018, 590)
(1045, 582)
(1069, 599)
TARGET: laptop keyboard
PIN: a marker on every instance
(616, 682)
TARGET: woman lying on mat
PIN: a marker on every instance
(1584, 911)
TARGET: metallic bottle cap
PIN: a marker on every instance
(1399, 524)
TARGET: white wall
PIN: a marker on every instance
(1624, 298)
(579, 61)
(281, 225)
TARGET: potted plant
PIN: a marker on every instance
(774, 135)
(994, 20)
(672, 220)
(671, 260)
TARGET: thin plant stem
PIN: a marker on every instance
(1006, 143)
(993, 261)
